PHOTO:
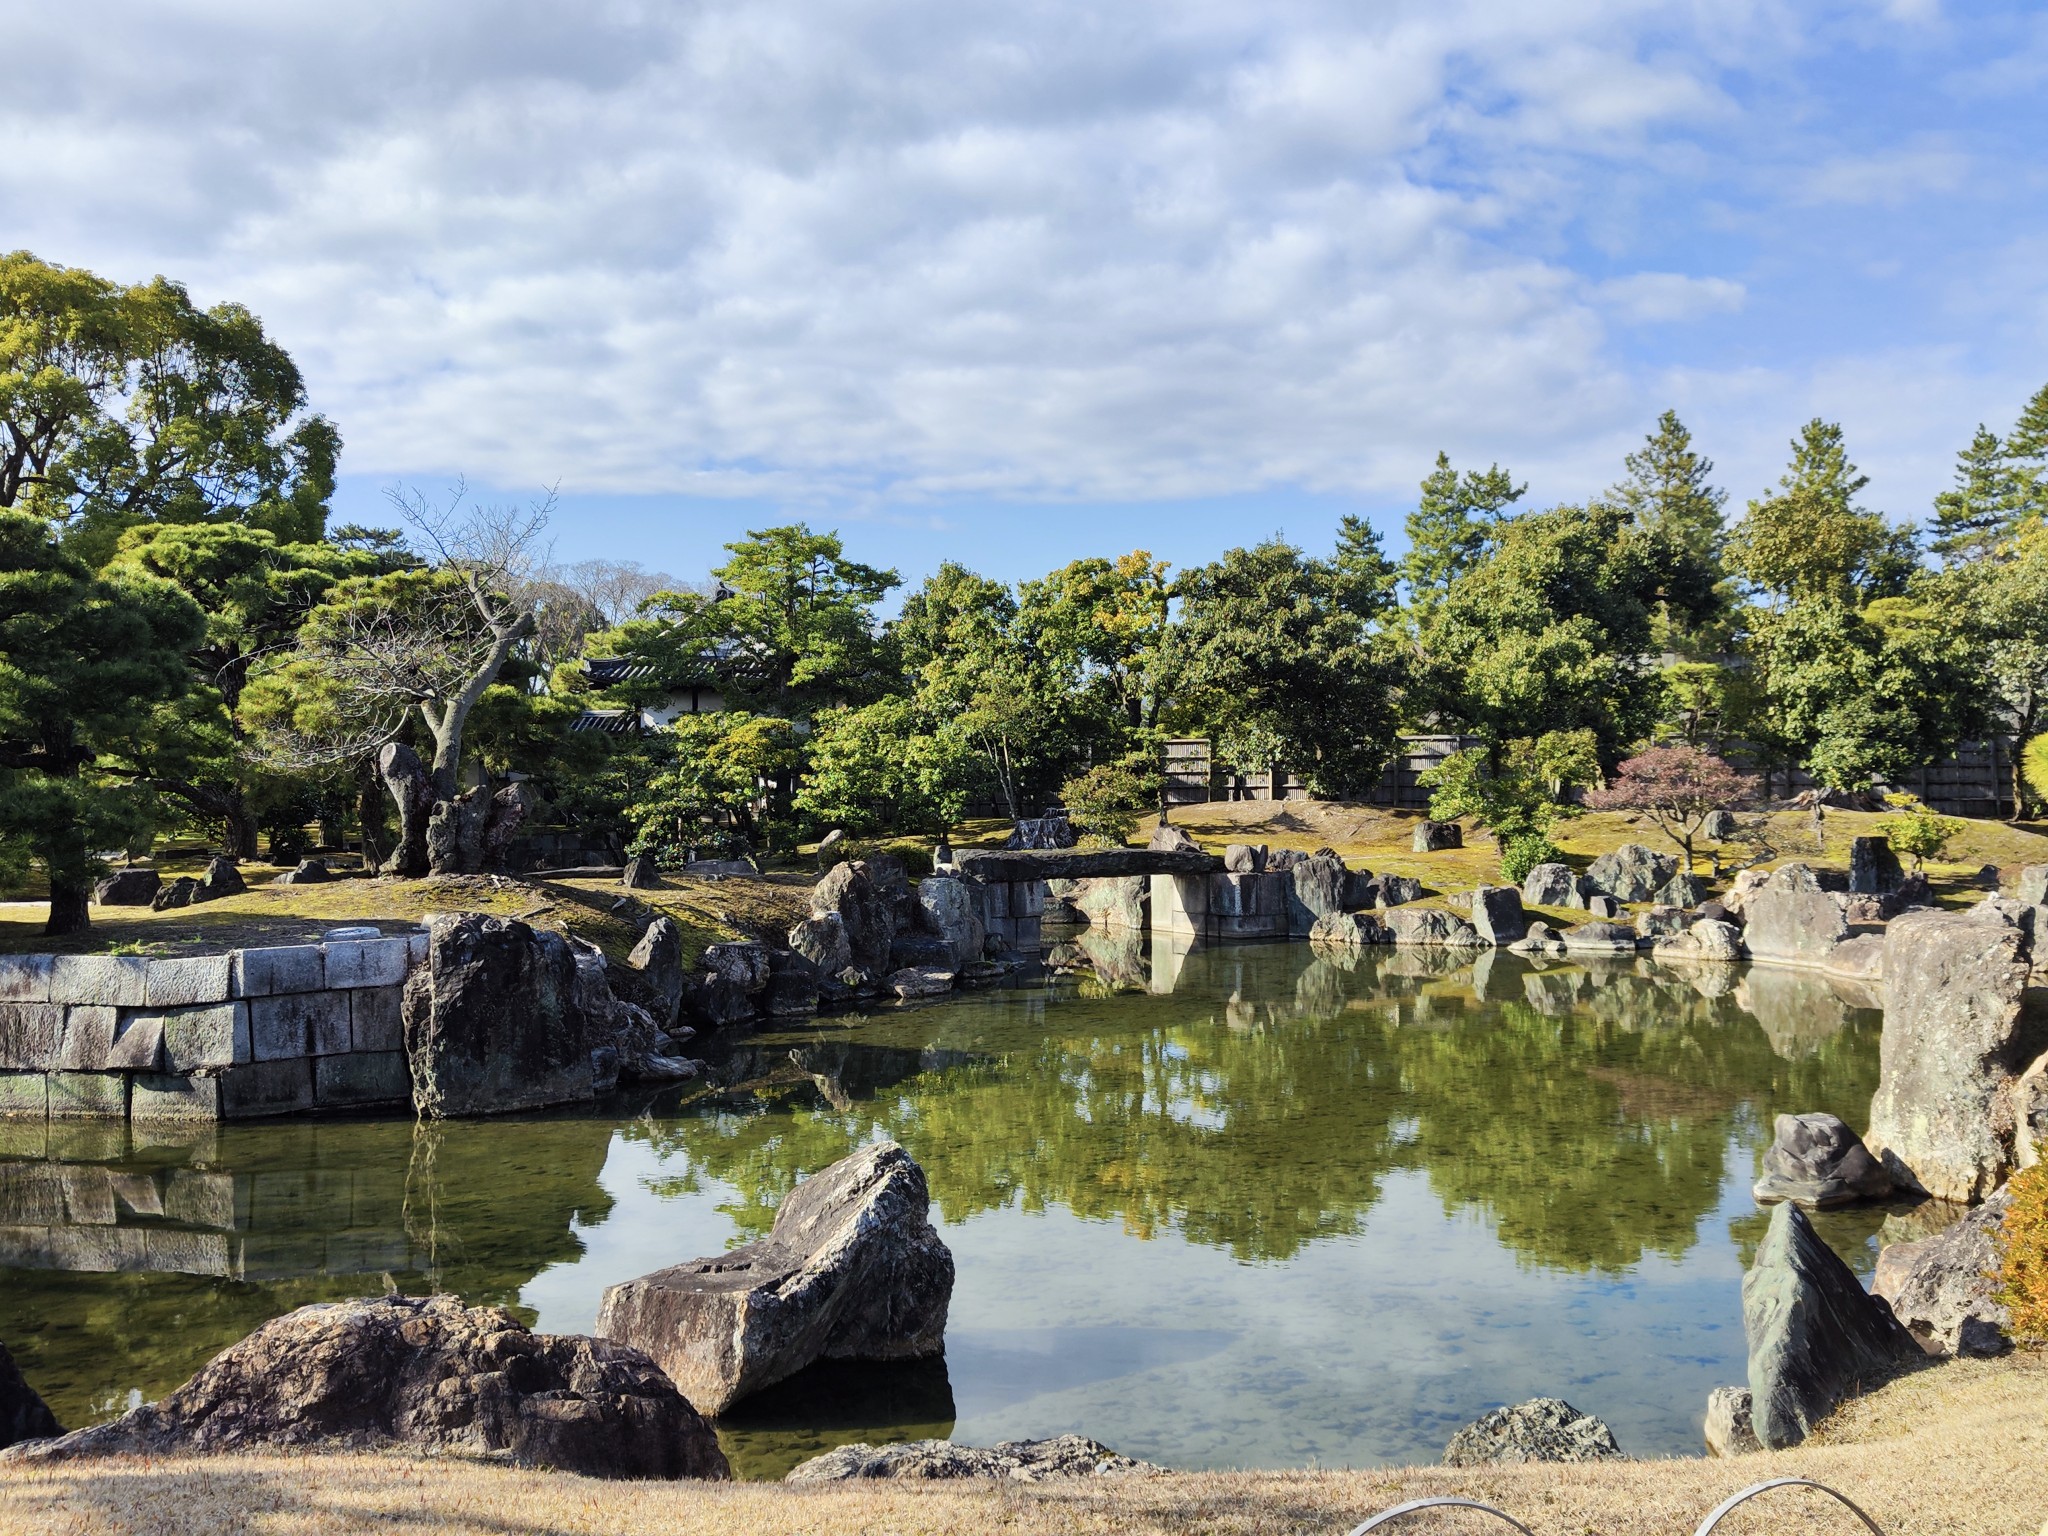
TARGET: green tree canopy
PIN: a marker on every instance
(1104, 623)
(1451, 524)
(1669, 496)
(1812, 540)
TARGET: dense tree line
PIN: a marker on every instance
(185, 644)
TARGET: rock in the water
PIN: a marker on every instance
(425, 1374)
(1497, 914)
(743, 963)
(1114, 903)
(1873, 867)
(128, 888)
(1789, 921)
(23, 1415)
(1716, 940)
(949, 909)
(852, 1270)
(1015, 1461)
(822, 941)
(1244, 858)
(1601, 938)
(863, 908)
(1681, 890)
(1729, 1431)
(1321, 883)
(1539, 937)
(1171, 839)
(1632, 872)
(1435, 836)
(219, 878)
(1860, 958)
(1944, 1288)
(491, 1022)
(1818, 1162)
(658, 957)
(1815, 1336)
(1542, 1429)
(921, 981)
(1431, 927)
(1550, 885)
(642, 874)
(1349, 930)
(1955, 1034)
(2033, 891)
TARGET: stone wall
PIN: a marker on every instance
(234, 1036)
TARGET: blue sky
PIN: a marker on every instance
(1015, 283)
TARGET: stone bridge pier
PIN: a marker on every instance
(1193, 896)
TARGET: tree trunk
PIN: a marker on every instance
(70, 907)
(406, 778)
(242, 831)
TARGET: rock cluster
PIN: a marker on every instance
(1542, 1429)
(424, 1374)
(1061, 1458)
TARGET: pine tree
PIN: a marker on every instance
(1987, 502)
(1451, 525)
(2026, 454)
(1671, 499)
(1811, 539)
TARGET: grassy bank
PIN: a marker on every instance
(1950, 1451)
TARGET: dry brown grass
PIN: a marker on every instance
(1953, 1451)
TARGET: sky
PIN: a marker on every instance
(1015, 283)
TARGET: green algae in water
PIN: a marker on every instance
(1245, 1206)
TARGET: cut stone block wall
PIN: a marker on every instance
(235, 1036)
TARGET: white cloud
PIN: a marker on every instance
(1655, 296)
(1890, 177)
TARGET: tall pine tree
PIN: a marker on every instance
(1669, 495)
(1450, 526)
(1974, 518)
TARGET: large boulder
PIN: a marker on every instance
(219, 878)
(1113, 903)
(1349, 930)
(863, 909)
(1321, 883)
(306, 872)
(851, 1270)
(1790, 922)
(949, 908)
(1815, 1336)
(1059, 1459)
(1244, 858)
(1873, 867)
(1632, 872)
(1542, 1429)
(1397, 890)
(821, 939)
(1550, 885)
(491, 1022)
(180, 892)
(23, 1415)
(1955, 1036)
(1681, 890)
(1055, 829)
(1171, 839)
(128, 888)
(1818, 1162)
(1944, 1288)
(793, 986)
(1600, 938)
(423, 1374)
(1497, 915)
(658, 957)
(1430, 927)
(1435, 836)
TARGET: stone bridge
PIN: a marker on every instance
(1192, 895)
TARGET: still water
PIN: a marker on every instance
(1241, 1207)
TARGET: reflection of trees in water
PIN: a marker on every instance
(1259, 1107)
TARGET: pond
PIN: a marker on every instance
(1237, 1207)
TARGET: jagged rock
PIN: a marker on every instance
(1716, 940)
(1790, 921)
(1632, 872)
(1171, 839)
(743, 963)
(1729, 1431)
(623, 1036)
(128, 888)
(851, 1270)
(1244, 858)
(1114, 903)
(219, 878)
(1794, 877)
(178, 893)
(1661, 921)
(658, 957)
(1955, 1033)
(864, 910)
(1818, 1162)
(1321, 883)
(23, 1415)
(1718, 912)
(1349, 930)
(922, 981)
(892, 881)
(821, 939)
(1055, 829)
(1538, 937)
(1550, 885)
(831, 848)
(1430, 927)
(1944, 1287)
(1436, 836)
(642, 873)
(1016, 1461)
(1600, 938)
(1873, 867)
(1681, 890)
(2033, 888)
(1543, 1429)
(1497, 915)
(1281, 859)
(950, 910)
(1459, 901)
(306, 872)
(425, 1374)
(491, 1021)
(1603, 908)
(1815, 1337)
(1361, 890)
(1398, 890)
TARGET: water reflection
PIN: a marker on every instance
(1528, 1174)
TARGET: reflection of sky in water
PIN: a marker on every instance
(1281, 1212)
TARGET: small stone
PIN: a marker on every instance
(1729, 1432)
(1818, 1162)
(641, 873)
(1436, 836)
(1544, 1429)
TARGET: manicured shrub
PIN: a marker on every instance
(1519, 855)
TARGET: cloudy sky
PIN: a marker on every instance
(1013, 283)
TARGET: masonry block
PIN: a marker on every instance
(298, 1024)
(88, 1095)
(377, 1019)
(362, 1077)
(368, 962)
(266, 1088)
(31, 1036)
(186, 983)
(286, 968)
(159, 1096)
(102, 1039)
(194, 1198)
(24, 1095)
(98, 1140)
(189, 1253)
(88, 1195)
(119, 980)
(25, 978)
(213, 1036)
